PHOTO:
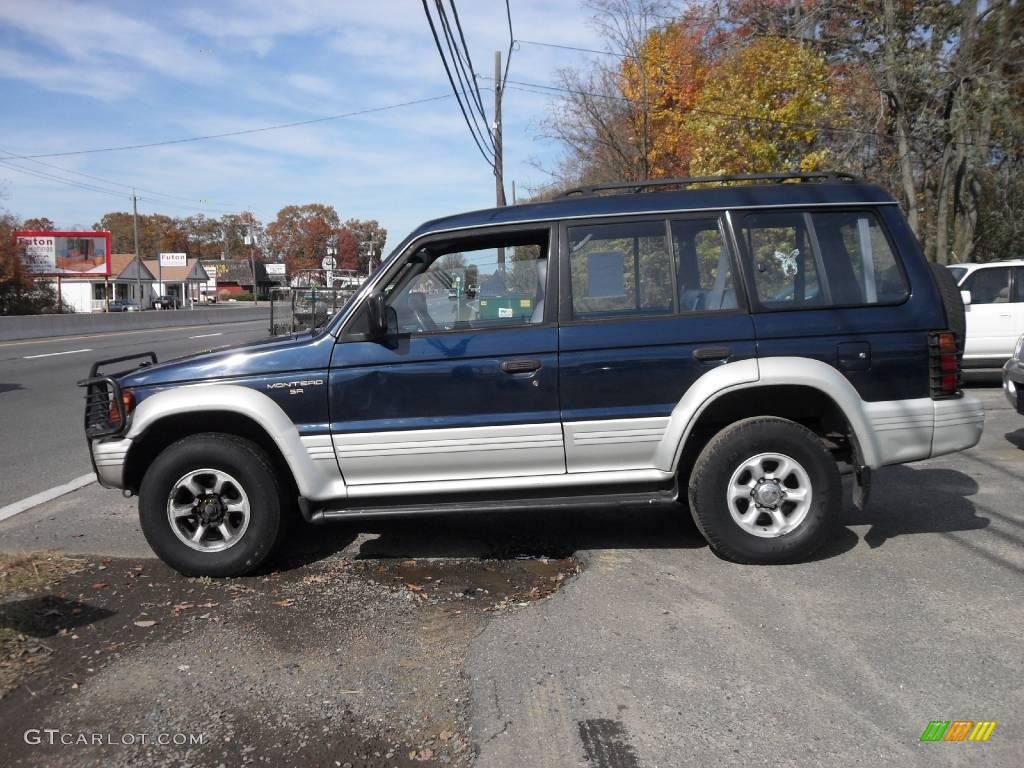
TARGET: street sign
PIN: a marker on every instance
(274, 269)
(173, 259)
(328, 263)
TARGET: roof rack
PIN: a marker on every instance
(639, 186)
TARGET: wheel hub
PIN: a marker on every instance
(768, 493)
(210, 510)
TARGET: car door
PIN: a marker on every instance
(992, 325)
(648, 305)
(465, 386)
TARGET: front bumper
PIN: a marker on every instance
(1013, 383)
(108, 458)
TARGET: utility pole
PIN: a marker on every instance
(499, 179)
(252, 260)
(138, 261)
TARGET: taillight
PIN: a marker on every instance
(128, 404)
(945, 365)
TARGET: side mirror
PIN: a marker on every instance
(377, 315)
(965, 297)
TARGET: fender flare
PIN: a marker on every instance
(247, 402)
(765, 372)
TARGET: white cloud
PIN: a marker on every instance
(90, 35)
(99, 82)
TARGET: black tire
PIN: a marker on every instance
(949, 291)
(725, 453)
(253, 470)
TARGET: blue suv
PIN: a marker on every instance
(736, 346)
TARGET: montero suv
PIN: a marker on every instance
(737, 347)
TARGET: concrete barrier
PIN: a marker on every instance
(42, 326)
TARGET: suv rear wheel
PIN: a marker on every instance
(210, 505)
(764, 490)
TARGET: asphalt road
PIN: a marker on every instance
(660, 654)
(41, 440)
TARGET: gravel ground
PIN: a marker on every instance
(338, 662)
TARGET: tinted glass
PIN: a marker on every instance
(989, 286)
(785, 272)
(703, 267)
(1018, 282)
(858, 261)
(620, 269)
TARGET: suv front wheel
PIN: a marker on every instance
(210, 505)
(764, 491)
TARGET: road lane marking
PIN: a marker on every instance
(54, 354)
(179, 328)
(206, 335)
(44, 496)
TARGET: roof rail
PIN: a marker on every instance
(638, 186)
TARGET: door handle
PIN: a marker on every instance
(710, 354)
(520, 366)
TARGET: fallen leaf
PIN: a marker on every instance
(100, 585)
(146, 623)
(286, 603)
(415, 587)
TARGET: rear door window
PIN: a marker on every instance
(703, 266)
(620, 270)
(990, 285)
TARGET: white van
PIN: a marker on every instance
(993, 295)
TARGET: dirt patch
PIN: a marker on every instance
(23, 620)
(337, 662)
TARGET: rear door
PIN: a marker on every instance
(993, 316)
(648, 305)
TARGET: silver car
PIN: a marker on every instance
(1013, 377)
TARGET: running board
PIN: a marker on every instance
(318, 512)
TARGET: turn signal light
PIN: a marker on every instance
(128, 403)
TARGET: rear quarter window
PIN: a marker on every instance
(822, 259)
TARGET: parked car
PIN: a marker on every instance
(1013, 377)
(123, 305)
(994, 296)
(659, 358)
(166, 302)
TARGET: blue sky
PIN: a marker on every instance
(77, 76)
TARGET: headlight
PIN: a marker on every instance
(1018, 353)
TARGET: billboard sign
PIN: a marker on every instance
(68, 254)
(173, 259)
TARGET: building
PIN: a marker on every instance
(135, 280)
(234, 278)
(91, 293)
(186, 284)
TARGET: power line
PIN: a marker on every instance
(451, 81)
(153, 193)
(244, 132)
(521, 41)
(465, 48)
(511, 42)
(50, 177)
(466, 76)
(546, 89)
